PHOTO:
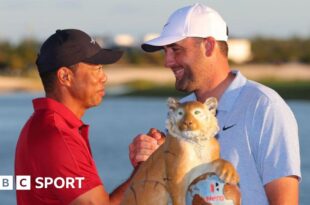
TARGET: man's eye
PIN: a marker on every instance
(99, 67)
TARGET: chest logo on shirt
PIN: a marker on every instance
(228, 127)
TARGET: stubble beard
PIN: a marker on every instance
(185, 85)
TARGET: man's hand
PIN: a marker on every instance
(143, 145)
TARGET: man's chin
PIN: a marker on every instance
(97, 102)
(182, 88)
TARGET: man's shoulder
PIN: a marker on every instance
(261, 100)
(48, 119)
(257, 91)
(46, 125)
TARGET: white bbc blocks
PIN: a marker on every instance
(6, 182)
(23, 182)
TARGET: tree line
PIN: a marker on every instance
(20, 58)
(268, 50)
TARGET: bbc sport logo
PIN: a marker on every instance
(23, 182)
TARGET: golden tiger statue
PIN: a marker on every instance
(190, 152)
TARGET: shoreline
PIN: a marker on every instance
(19, 84)
(118, 75)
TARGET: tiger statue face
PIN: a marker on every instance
(192, 121)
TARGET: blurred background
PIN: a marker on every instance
(269, 42)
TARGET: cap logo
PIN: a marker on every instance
(92, 41)
(166, 24)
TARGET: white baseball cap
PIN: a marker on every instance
(197, 20)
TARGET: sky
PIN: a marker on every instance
(246, 18)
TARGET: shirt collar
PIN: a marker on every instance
(232, 92)
(61, 109)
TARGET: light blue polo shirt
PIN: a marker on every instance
(258, 135)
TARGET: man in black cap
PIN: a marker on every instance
(53, 147)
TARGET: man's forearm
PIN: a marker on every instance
(283, 191)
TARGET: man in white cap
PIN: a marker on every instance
(258, 130)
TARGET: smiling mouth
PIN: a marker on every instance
(178, 73)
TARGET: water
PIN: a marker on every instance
(113, 126)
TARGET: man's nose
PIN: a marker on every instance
(169, 58)
(103, 76)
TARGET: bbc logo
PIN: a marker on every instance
(22, 182)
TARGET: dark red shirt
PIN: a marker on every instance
(54, 143)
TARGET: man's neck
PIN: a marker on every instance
(217, 91)
(68, 102)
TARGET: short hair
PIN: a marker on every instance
(49, 79)
(223, 45)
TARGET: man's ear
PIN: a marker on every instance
(64, 76)
(209, 45)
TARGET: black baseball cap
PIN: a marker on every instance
(70, 46)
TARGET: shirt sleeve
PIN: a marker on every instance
(275, 142)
